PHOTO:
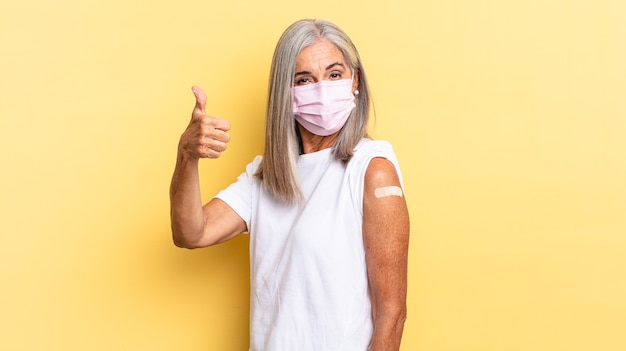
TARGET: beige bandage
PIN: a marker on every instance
(392, 190)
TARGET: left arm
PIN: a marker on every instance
(386, 240)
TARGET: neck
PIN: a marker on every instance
(313, 143)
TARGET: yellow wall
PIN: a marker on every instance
(508, 118)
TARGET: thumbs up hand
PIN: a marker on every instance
(205, 136)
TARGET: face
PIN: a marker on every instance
(322, 61)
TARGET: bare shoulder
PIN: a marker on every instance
(384, 205)
(381, 172)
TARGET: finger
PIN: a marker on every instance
(214, 144)
(211, 130)
(219, 124)
(199, 109)
(209, 152)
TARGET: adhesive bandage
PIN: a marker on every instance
(392, 190)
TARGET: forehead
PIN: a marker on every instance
(320, 54)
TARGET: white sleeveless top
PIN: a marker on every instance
(308, 284)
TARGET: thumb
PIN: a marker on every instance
(200, 100)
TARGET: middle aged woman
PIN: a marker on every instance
(324, 206)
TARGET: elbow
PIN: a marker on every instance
(402, 318)
(186, 244)
(185, 241)
(398, 315)
(394, 315)
(388, 328)
(183, 244)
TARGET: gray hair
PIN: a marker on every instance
(278, 167)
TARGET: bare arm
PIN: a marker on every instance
(194, 225)
(386, 238)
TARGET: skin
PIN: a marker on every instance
(194, 225)
(386, 240)
(385, 219)
(320, 61)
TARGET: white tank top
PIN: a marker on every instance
(308, 286)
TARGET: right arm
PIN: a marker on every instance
(195, 225)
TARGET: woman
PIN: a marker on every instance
(324, 206)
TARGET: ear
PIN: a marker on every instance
(355, 81)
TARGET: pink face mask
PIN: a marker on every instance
(324, 107)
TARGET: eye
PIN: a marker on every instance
(303, 80)
(335, 75)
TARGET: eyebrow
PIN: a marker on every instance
(327, 68)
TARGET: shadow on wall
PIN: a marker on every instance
(214, 285)
(179, 298)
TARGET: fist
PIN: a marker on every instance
(205, 136)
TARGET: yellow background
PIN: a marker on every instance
(508, 118)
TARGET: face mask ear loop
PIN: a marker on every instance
(356, 91)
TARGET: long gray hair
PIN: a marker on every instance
(278, 168)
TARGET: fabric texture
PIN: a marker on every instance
(309, 286)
